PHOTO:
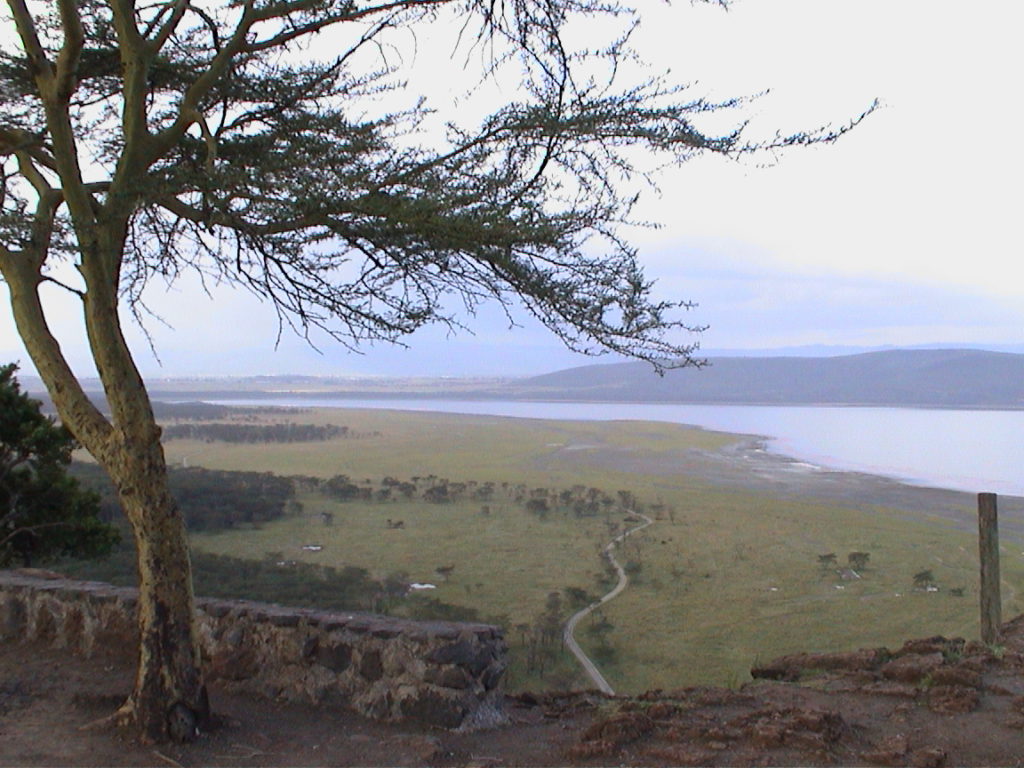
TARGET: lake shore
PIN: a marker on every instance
(747, 464)
(970, 451)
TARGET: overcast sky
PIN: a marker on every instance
(906, 232)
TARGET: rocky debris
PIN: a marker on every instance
(948, 647)
(896, 751)
(556, 705)
(953, 699)
(957, 675)
(791, 668)
(892, 751)
(872, 706)
(620, 729)
(684, 754)
(689, 727)
(947, 672)
(927, 757)
(911, 667)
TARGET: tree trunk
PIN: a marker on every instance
(169, 699)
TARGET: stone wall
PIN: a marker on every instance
(441, 673)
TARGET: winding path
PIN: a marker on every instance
(570, 626)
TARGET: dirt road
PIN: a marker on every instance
(568, 634)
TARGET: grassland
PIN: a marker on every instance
(727, 575)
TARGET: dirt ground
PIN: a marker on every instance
(931, 703)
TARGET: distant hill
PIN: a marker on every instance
(937, 378)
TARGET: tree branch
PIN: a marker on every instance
(30, 528)
(13, 140)
(177, 14)
(135, 60)
(76, 410)
(349, 15)
(71, 51)
(188, 107)
(32, 175)
(41, 66)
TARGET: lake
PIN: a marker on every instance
(965, 450)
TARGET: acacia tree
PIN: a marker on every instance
(145, 139)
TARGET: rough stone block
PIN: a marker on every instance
(493, 674)
(370, 666)
(448, 677)
(336, 657)
(13, 617)
(233, 664)
(216, 610)
(44, 628)
(473, 657)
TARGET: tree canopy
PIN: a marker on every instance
(43, 511)
(270, 144)
(222, 143)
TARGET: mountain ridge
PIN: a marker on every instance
(939, 378)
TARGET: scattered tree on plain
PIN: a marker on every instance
(858, 561)
(142, 140)
(924, 579)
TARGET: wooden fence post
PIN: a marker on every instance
(988, 549)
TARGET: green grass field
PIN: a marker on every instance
(726, 577)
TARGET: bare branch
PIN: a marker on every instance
(178, 8)
(216, 69)
(65, 286)
(349, 14)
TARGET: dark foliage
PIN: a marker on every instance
(194, 411)
(293, 583)
(287, 432)
(209, 499)
(200, 411)
(43, 511)
(341, 488)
